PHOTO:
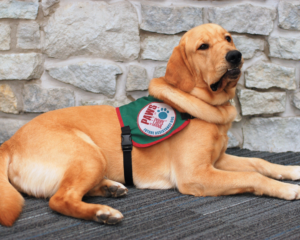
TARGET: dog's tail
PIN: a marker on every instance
(11, 201)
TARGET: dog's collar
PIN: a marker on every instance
(186, 116)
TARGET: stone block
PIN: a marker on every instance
(22, 66)
(232, 141)
(158, 47)
(266, 75)
(93, 28)
(253, 102)
(296, 100)
(19, 9)
(272, 134)
(47, 4)
(4, 36)
(8, 127)
(8, 100)
(159, 71)
(284, 47)
(238, 116)
(110, 102)
(137, 78)
(289, 15)
(96, 77)
(38, 99)
(28, 35)
(248, 46)
(170, 19)
(243, 18)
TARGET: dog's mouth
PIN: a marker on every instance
(231, 74)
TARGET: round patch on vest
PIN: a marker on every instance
(156, 119)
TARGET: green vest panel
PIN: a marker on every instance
(150, 120)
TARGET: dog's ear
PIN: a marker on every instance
(178, 71)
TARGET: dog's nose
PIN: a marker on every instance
(234, 57)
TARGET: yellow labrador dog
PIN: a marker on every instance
(68, 153)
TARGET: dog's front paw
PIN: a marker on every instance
(229, 113)
(288, 173)
(291, 192)
(295, 173)
(109, 216)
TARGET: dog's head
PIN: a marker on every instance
(206, 58)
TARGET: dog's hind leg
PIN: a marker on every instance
(241, 164)
(78, 180)
(108, 188)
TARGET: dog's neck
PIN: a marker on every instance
(185, 102)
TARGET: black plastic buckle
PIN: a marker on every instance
(126, 142)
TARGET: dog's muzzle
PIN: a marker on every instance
(234, 58)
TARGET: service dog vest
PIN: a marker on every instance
(150, 120)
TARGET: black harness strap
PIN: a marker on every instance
(127, 148)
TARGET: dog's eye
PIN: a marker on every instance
(203, 47)
(228, 38)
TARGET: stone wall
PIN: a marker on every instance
(61, 53)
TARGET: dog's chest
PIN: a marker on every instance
(223, 137)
